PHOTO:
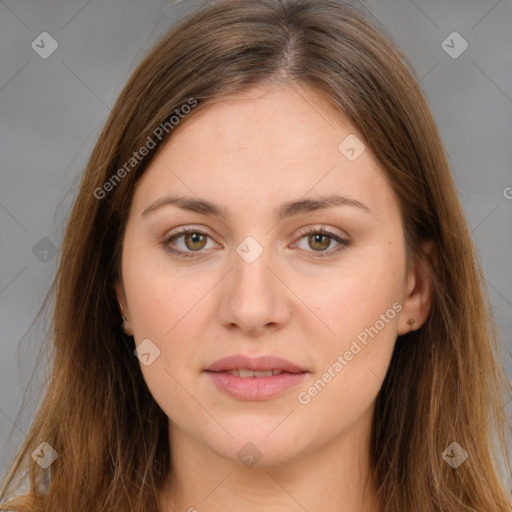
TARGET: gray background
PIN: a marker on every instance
(53, 109)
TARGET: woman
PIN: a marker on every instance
(268, 297)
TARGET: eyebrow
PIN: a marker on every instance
(288, 209)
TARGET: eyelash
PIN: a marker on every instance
(305, 232)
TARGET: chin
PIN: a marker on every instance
(259, 442)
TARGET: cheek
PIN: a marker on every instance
(161, 295)
(165, 310)
(163, 304)
(362, 312)
(355, 298)
(353, 367)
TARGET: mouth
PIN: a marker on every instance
(258, 364)
(255, 378)
(250, 373)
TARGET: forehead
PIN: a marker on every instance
(277, 120)
(280, 143)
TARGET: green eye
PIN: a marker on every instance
(195, 240)
(319, 239)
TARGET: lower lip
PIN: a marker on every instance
(255, 388)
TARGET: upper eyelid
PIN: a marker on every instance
(181, 231)
(302, 231)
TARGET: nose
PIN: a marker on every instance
(254, 298)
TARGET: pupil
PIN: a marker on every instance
(195, 239)
(317, 239)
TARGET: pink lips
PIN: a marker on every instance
(281, 376)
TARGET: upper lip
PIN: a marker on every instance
(261, 363)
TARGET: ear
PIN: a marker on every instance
(417, 301)
(123, 306)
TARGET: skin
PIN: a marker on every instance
(270, 145)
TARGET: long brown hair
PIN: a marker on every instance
(445, 382)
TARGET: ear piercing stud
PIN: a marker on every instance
(122, 316)
(410, 321)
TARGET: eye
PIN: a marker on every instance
(195, 240)
(320, 238)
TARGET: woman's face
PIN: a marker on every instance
(248, 282)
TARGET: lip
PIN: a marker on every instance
(255, 388)
(261, 363)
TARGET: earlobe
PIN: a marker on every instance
(419, 291)
(119, 292)
(121, 299)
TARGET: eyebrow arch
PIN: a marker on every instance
(288, 209)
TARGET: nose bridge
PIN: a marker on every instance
(251, 273)
(255, 297)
